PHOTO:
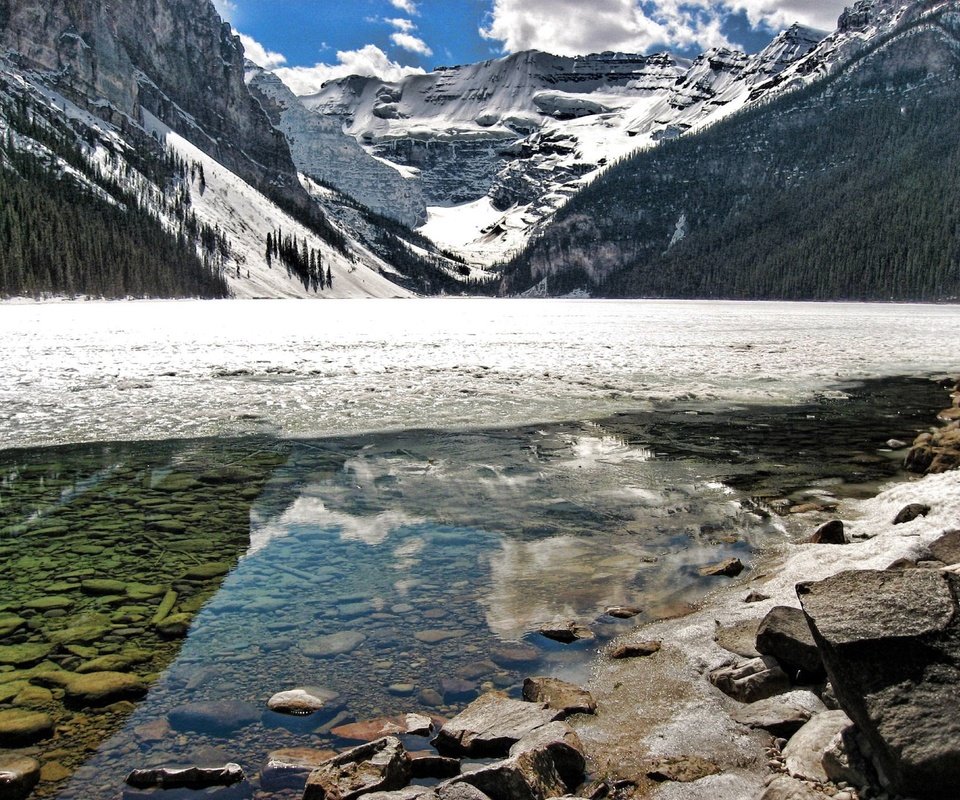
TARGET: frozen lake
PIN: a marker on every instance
(75, 372)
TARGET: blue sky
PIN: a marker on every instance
(309, 41)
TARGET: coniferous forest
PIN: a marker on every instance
(848, 189)
(68, 228)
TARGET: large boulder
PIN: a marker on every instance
(563, 745)
(380, 766)
(530, 775)
(890, 642)
(785, 635)
(560, 695)
(491, 725)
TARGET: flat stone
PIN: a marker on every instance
(104, 688)
(491, 725)
(623, 612)
(435, 636)
(303, 701)
(515, 655)
(83, 633)
(116, 662)
(459, 791)
(457, 690)
(785, 635)
(372, 729)
(805, 750)
(56, 602)
(290, 767)
(739, 638)
(219, 716)
(635, 650)
(333, 644)
(18, 776)
(203, 572)
(19, 728)
(752, 680)
(33, 697)
(10, 623)
(781, 716)
(729, 569)
(24, 655)
(681, 769)
(559, 695)
(54, 772)
(379, 766)
(891, 644)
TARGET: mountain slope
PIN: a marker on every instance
(500, 145)
(844, 189)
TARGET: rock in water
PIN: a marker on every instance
(103, 688)
(829, 533)
(729, 569)
(910, 513)
(303, 701)
(890, 642)
(223, 716)
(289, 768)
(18, 776)
(491, 725)
(19, 728)
(380, 766)
(333, 644)
(185, 777)
(560, 695)
(785, 635)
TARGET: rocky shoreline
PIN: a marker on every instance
(778, 687)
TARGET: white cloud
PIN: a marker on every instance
(573, 27)
(369, 61)
(259, 55)
(402, 24)
(225, 8)
(407, 6)
(412, 43)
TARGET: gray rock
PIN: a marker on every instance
(891, 645)
(623, 612)
(289, 768)
(910, 513)
(459, 791)
(947, 548)
(829, 533)
(842, 760)
(458, 689)
(529, 775)
(219, 716)
(781, 716)
(185, 777)
(749, 681)
(739, 638)
(379, 766)
(18, 776)
(491, 725)
(560, 695)
(408, 793)
(784, 788)
(804, 752)
(563, 745)
(303, 701)
(333, 644)
(785, 635)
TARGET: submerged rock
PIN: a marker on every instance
(24, 655)
(560, 695)
(220, 716)
(891, 645)
(103, 688)
(290, 767)
(18, 776)
(378, 766)
(333, 644)
(491, 725)
(19, 728)
(623, 612)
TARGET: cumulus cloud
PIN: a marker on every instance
(225, 8)
(412, 43)
(369, 61)
(259, 55)
(402, 24)
(407, 6)
(572, 27)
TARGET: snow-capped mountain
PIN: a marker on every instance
(498, 146)
(143, 106)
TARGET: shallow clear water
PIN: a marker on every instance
(446, 551)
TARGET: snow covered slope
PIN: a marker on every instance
(500, 145)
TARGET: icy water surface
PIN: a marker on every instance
(400, 571)
(158, 370)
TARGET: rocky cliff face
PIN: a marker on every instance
(176, 59)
